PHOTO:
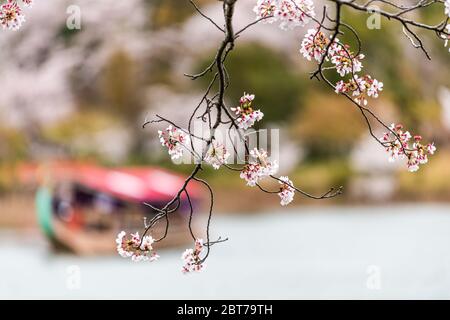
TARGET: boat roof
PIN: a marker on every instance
(139, 184)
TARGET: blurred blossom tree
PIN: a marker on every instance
(62, 71)
(87, 135)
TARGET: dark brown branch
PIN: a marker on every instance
(205, 16)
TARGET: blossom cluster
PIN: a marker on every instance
(134, 247)
(247, 115)
(141, 249)
(258, 167)
(175, 140)
(446, 37)
(216, 155)
(402, 145)
(290, 13)
(316, 45)
(344, 60)
(287, 191)
(11, 14)
(191, 258)
(447, 27)
(360, 87)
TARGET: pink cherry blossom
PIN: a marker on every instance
(216, 155)
(11, 16)
(431, 149)
(290, 13)
(136, 248)
(344, 60)
(28, 3)
(247, 99)
(286, 193)
(374, 88)
(294, 13)
(314, 45)
(259, 167)
(360, 88)
(265, 9)
(402, 145)
(446, 37)
(261, 157)
(250, 173)
(175, 140)
(191, 258)
(247, 116)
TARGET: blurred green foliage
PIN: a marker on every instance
(13, 148)
(120, 86)
(319, 176)
(327, 127)
(77, 132)
(430, 182)
(279, 89)
(13, 145)
(67, 35)
(167, 13)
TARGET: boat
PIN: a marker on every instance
(81, 208)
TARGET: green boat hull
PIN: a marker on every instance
(44, 211)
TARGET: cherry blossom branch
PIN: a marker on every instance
(251, 24)
(205, 16)
(178, 137)
(440, 29)
(316, 45)
(331, 55)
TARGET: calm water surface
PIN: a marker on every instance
(379, 252)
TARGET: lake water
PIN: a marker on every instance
(358, 252)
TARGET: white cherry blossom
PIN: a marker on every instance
(136, 248)
(191, 258)
(175, 140)
(286, 193)
(216, 155)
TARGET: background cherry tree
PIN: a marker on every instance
(322, 28)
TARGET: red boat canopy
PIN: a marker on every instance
(140, 184)
(137, 184)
